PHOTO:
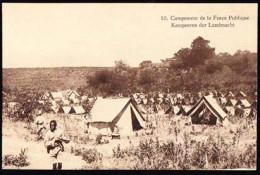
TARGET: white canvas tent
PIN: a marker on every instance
(222, 100)
(206, 111)
(243, 103)
(231, 102)
(229, 110)
(68, 110)
(108, 113)
(79, 110)
(183, 109)
(172, 109)
(241, 94)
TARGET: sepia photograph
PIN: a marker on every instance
(129, 86)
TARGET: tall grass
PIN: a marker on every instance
(214, 153)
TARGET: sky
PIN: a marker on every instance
(76, 35)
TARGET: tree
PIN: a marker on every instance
(146, 79)
(200, 52)
(243, 61)
(184, 55)
(120, 66)
(213, 66)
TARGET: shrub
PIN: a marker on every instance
(91, 155)
(213, 153)
(18, 161)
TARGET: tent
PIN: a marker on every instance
(246, 112)
(122, 112)
(219, 94)
(206, 111)
(45, 96)
(65, 102)
(57, 109)
(230, 110)
(222, 100)
(239, 112)
(229, 94)
(183, 110)
(68, 110)
(241, 94)
(253, 113)
(56, 95)
(73, 92)
(172, 109)
(243, 103)
(79, 110)
(231, 102)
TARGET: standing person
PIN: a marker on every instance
(53, 142)
(40, 122)
(87, 124)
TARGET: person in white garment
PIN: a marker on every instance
(54, 143)
(41, 125)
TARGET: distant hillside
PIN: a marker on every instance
(42, 79)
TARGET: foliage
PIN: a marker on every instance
(91, 155)
(213, 153)
(18, 161)
(213, 66)
(146, 78)
(199, 52)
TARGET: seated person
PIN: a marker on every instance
(115, 132)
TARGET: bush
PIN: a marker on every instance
(91, 155)
(18, 161)
(213, 153)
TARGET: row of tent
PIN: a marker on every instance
(187, 99)
(240, 94)
(66, 97)
(230, 110)
(222, 101)
(124, 113)
(69, 109)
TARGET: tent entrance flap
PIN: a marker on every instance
(203, 116)
(135, 123)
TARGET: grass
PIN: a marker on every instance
(171, 145)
